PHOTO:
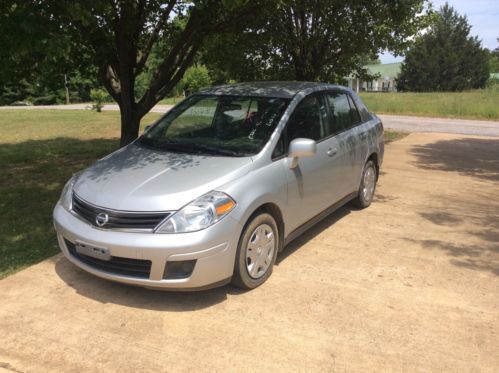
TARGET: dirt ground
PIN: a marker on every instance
(409, 284)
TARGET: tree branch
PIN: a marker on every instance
(111, 82)
(154, 37)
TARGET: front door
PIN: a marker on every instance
(310, 185)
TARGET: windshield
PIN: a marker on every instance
(222, 125)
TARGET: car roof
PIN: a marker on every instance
(267, 89)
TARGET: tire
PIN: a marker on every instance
(256, 252)
(366, 193)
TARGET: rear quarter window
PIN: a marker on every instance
(354, 114)
(365, 115)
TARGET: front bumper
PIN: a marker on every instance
(214, 250)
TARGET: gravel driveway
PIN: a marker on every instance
(409, 284)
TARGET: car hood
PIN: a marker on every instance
(140, 179)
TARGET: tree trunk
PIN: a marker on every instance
(130, 123)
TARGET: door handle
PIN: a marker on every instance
(331, 152)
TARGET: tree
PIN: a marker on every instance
(494, 60)
(36, 55)
(315, 40)
(123, 33)
(446, 58)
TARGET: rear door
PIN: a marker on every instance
(344, 121)
(361, 132)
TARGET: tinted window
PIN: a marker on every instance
(354, 112)
(308, 120)
(340, 112)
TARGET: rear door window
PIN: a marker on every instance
(339, 109)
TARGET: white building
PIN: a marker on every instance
(386, 82)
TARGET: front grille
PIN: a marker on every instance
(121, 266)
(117, 219)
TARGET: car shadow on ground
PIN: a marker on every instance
(105, 291)
(314, 231)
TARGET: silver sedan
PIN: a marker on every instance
(213, 190)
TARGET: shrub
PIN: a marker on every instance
(99, 96)
(195, 78)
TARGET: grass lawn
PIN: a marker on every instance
(39, 151)
(477, 104)
(391, 136)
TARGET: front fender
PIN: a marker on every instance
(264, 185)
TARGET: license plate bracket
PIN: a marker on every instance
(84, 248)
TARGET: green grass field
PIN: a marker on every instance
(39, 151)
(477, 104)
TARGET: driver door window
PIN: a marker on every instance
(308, 120)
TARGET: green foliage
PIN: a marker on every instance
(195, 78)
(494, 60)
(98, 96)
(317, 40)
(446, 58)
(37, 52)
(143, 48)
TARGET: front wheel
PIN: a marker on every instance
(256, 252)
(367, 185)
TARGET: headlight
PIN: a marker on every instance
(66, 198)
(199, 214)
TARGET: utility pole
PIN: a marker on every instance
(66, 86)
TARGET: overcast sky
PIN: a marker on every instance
(483, 15)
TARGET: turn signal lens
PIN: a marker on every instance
(225, 208)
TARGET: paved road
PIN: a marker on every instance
(394, 122)
(409, 284)
(87, 106)
(443, 125)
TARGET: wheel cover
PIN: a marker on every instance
(368, 183)
(260, 251)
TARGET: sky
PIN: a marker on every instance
(483, 15)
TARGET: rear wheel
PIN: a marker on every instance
(257, 252)
(367, 185)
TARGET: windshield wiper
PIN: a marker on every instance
(219, 150)
(194, 148)
(167, 145)
(146, 141)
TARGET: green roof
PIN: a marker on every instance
(391, 70)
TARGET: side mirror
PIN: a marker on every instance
(299, 148)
